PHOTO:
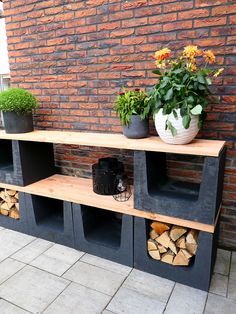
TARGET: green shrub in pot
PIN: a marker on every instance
(133, 108)
(16, 105)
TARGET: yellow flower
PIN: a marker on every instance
(209, 56)
(193, 67)
(160, 64)
(218, 72)
(162, 54)
(191, 52)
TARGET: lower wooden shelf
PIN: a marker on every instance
(79, 190)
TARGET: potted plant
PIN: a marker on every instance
(181, 96)
(16, 105)
(133, 109)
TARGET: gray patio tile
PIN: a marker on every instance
(57, 259)
(130, 301)
(233, 266)
(8, 308)
(107, 312)
(12, 241)
(95, 277)
(222, 262)
(32, 250)
(32, 289)
(187, 300)
(232, 289)
(150, 285)
(219, 284)
(79, 299)
(9, 267)
(217, 305)
(106, 264)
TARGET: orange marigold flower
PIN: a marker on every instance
(209, 56)
(193, 67)
(162, 54)
(191, 52)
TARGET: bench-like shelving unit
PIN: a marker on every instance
(82, 202)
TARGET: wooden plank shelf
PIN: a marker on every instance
(198, 147)
(79, 190)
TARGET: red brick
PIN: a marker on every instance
(213, 21)
(179, 6)
(134, 4)
(188, 15)
(222, 10)
(177, 25)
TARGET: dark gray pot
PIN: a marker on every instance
(137, 129)
(18, 123)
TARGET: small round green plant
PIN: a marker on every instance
(17, 100)
(134, 102)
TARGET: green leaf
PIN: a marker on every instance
(169, 94)
(175, 114)
(186, 121)
(171, 128)
(196, 110)
(201, 79)
(157, 71)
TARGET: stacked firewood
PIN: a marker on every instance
(172, 244)
(9, 203)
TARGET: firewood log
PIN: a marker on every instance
(186, 253)
(17, 206)
(176, 232)
(11, 192)
(16, 195)
(180, 259)
(160, 227)
(192, 248)
(172, 246)
(168, 257)
(153, 234)
(155, 254)
(192, 236)
(151, 245)
(161, 248)
(180, 243)
(14, 213)
(164, 239)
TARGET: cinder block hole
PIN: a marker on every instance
(101, 226)
(173, 177)
(6, 157)
(48, 213)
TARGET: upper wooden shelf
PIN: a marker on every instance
(80, 191)
(198, 147)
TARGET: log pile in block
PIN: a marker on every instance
(9, 203)
(172, 244)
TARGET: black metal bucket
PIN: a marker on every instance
(18, 123)
(105, 175)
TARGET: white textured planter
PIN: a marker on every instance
(183, 136)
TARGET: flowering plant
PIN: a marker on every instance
(132, 102)
(182, 84)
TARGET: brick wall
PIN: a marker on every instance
(75, 55)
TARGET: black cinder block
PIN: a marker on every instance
(21, 224)
(22, 162)
(104, 233)
(197, 274)
(50, 219)
(155, 192)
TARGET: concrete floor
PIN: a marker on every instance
(37, 276)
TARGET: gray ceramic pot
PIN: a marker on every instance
(137, 129)
(18, 123)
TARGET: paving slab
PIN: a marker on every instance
(8, 308)
(219, 305)
(32, 289)
(106, 264)
(1, 228)
(232, 289)
(222, 263)
(79, 299)
(130, 301)
(32, 250)
(186, 300)
(12, 241)
(9, 267)
(95, 277)
(57, 259)
(148, 284)
(219, 284)
(233, 266)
